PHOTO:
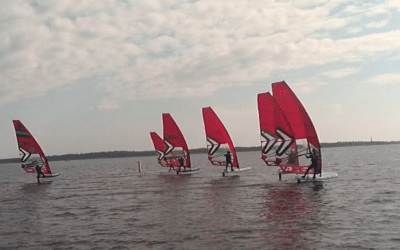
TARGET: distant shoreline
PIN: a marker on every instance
(121, 154)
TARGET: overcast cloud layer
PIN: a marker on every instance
(149, 49)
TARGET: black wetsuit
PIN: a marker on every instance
(39, 173)
(181, 163)
(314, 164)
(228, 161)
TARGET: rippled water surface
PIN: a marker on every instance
(107, 204)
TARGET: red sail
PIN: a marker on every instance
(174, 137)
(159, 146)
(216, 136)
(276, 134)
(30, 151)
(297, 116)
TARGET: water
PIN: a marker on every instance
(108, 204)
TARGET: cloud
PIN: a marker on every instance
(385, 79)
(393, 4)
(308, 85)
(336, 74)
(380, 24)
(158, 49)
(312, 84)
(367, 9)
(108, 105)
(331, 112)
(354, 30)
(394, 57)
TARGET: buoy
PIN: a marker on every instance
(139, 166)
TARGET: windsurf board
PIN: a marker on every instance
(318, 177)
(235, 170)
(188, 171)
(50, 176)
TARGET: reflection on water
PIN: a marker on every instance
(219, 196)
(34, 188)
(288, 207)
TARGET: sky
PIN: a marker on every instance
(92, 76)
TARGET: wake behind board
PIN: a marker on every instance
(235, 170)
(188, 171)
(322, 177)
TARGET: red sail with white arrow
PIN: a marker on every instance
(300, 124)
(277, 137)
(175, 141)
(217, 135)
(30, 152)
(160, 147)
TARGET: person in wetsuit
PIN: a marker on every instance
(314, 163)
(181, 164)
(228, 160)
(39, 172)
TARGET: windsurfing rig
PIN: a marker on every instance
(31, 154)
(172, 147)
(217, 136)
(287, 133)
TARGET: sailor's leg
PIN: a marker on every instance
(308, 169)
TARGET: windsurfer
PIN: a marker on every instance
(228, 160)
(181, 164)
(314, 163)
(39, 172)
